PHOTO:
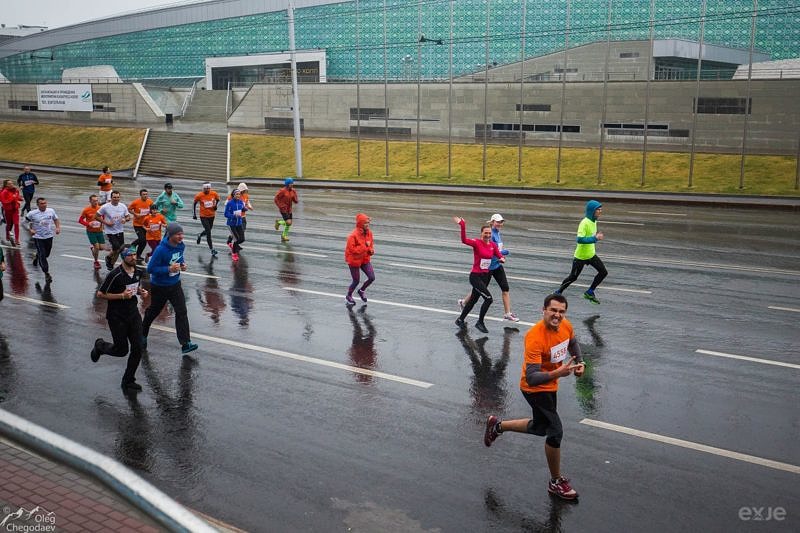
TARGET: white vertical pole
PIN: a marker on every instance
(298, 151)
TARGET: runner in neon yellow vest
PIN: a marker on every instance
(585, 252)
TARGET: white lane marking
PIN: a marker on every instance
(746, 358)
(622, 223)
(407, 306)
(790, 309)
(140, 267)
(279, 251)
(303, 358)
(409, 209)
(519, 278)
(658, 213)
(40, 302)
(551, 231)
(769, 463)
(460, 203)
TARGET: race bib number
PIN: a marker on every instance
(559, 352)
(500, 246)
(208, 203)
(143, 212)
(237, 213)
(132, 287)
(94, 224)
(155, 227)
(28, 183)
(484, 264)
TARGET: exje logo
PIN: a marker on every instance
(86, 95)
(762, 514)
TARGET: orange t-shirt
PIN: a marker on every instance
(154, 224)
(541, 345)
(140, 209)
(106, 182)
(207, 203)
(89, 215)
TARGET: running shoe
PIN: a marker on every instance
(35, 259)
(277, 224)
(480, 326)
(131, 386)
(557, 291)
(510, 316)
(461, 303)
(491, 432)
(363, 296)
(109, 264)
(97, 265)
(561, 488)
(230, 245)
(188, 347)
(48, 278)
(349, 300)
(235, 257)
(284, 239)
(95, 355)
(198, 238)
(214, 252)
(460, 322)
(591, 297)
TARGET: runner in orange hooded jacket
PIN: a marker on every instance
(358, 254)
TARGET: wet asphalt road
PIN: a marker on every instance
(260, 430)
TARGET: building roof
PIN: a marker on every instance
(780, 69)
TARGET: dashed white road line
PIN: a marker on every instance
(747, 358)
(448, 202)
(407, 306)
(519, 278)
(658, 213)
(622, 223)
(409, 209)
(303, 358)
(35, 301)
(790, 309)
(769, 463)
(279, 251)
(143, 268)
(536, 230)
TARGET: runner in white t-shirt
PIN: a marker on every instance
(43, 224)
(114, 215)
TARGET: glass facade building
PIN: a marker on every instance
(373, 39)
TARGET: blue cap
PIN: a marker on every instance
(288, 181)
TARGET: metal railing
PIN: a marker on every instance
(131, 488)
(188, 99)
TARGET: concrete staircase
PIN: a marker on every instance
(185, 155)
(207, 106)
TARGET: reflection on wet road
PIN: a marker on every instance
(298, 413)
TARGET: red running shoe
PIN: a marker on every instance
(561, 488)
(97, 265)
(491, 432)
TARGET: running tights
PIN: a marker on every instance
(355, 273)
(208, 223)
(577, 267)
(479, 282)
(237, 232)
(12, 221)
(43, 247)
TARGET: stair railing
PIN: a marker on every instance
(141, 152)
(188, 99)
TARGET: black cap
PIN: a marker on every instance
(167, 185)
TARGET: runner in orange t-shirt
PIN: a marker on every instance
(154, 224)
(548, 345)
(140, 209)
(94, 228)
(106, 184)
(208, 200)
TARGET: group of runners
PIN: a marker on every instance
(551, 350)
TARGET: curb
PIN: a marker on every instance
(714, 200)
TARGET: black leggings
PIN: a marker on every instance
(125, 331)
(141, 240)
(28, 196)
(577, 267)
(208, 223)
(43, 247)
(159, 296)
(479, 281)
(237, 235)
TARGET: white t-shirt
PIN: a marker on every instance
(44, 222)
(115, 214)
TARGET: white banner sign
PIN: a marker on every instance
(66, 97)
